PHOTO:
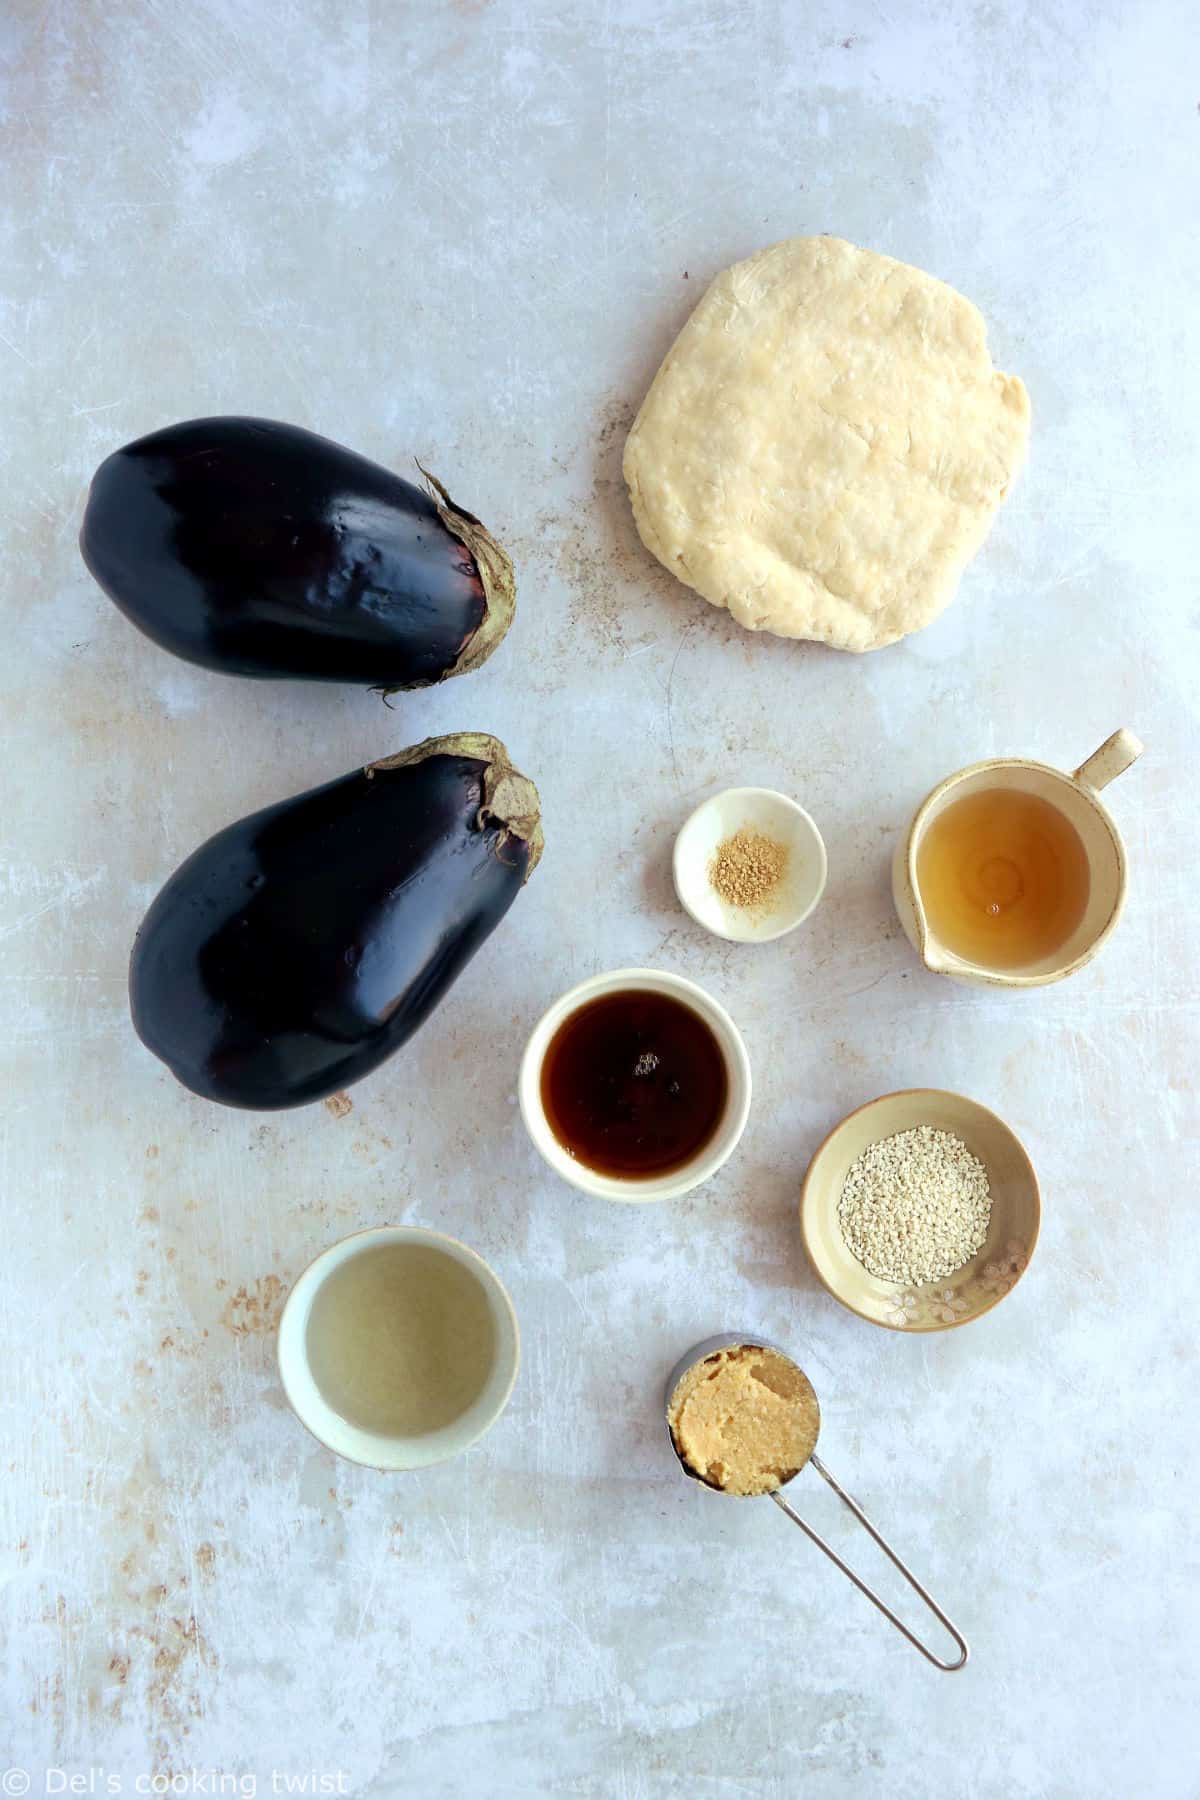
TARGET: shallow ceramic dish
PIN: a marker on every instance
(707, 1160)
(1012, 1231)
(377, 1450)
(754, 809)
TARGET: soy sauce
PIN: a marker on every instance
(634, 1084)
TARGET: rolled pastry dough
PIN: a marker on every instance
(826, 444)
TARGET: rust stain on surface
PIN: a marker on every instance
(254, 1311)
(178, 1655)
(338, 1105)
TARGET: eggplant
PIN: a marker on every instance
(256, 548)
(299, 947)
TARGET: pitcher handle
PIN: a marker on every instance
(861, 1585)
(1110, 760)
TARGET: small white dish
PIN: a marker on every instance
(708, 1160)
(750, 809)
(378, 1450)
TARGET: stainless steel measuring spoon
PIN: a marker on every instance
(734, 1341)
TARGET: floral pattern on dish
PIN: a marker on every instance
(974, 1289)
(1004, 1271)
(903, 1308)
(948, 1305)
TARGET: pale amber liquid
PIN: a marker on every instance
(401, 1339)
(1003, 877)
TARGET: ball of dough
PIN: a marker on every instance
(826, 444)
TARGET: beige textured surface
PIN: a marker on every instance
(745, 1419)
(826, 444)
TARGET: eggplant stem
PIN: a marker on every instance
(509, 799)
(495, 572)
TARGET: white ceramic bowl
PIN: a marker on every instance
(754, 809)
(376, 1450)
(654, 1187)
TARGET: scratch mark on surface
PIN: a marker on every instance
(688, 628)
(865, 989)
(25, 359)
(65, 897)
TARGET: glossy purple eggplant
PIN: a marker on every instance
(257, 548)
(299, 947)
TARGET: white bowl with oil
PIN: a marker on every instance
(398, 1347)
(775, 816)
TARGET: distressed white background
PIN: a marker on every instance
(469, 232)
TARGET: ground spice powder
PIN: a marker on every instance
(747, 868)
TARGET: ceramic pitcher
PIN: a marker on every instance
(1077, 797)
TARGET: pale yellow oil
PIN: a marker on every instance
(401, 1339)
(1003, 877)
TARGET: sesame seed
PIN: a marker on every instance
(915, 1207)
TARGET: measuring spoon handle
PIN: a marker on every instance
(861, 1585)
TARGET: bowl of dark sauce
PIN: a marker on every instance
(635, 1085)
